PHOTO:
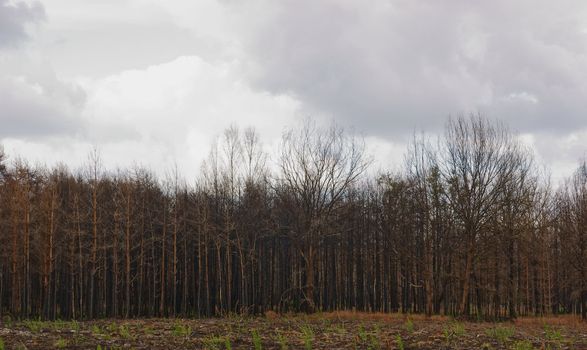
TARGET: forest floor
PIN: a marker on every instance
(337, 330)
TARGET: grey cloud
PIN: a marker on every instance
(34, 107)
(388, 67)
(115, 45)
(14, 16)
(34, 103)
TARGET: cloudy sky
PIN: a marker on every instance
(154, 81)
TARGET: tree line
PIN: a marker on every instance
(470, 227)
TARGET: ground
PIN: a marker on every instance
(341, 330)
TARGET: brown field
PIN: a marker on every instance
(340, 330)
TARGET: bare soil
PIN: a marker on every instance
(341, 330)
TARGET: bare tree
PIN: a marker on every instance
(2, 160)
(423, 171)
(573, 207)
(318, 167)
(94, 175)
(477, 161)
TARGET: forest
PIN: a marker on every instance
(471, 226)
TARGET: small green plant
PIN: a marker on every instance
(60, 343)
(96, 330)
(34, 326)
(453, 331)
(282, 341)
(2, 346)
(409, 325)
(459, 329)
(447, 334)
(523, 345)
(374, 343)
(7, 320)
(399, 342)
(256, 340)
(99, 347)
(335, 327)
(486, 346)
(227, 344)
(124, 332)
(215, 342)
(501, 334)
(553, 336)
(362, 334)
(148, 330)
(308, 337)
(60, 325)
(181, 330)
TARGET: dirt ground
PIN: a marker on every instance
(342, 330)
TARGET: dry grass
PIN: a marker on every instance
(562, 320)
(376, 316)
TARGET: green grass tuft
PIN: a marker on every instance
(453, 331)
(308, 337)
(501, 334)
(399, 342)
(256, 340)
(61, 343)
(181, 330)
(282, 341)
(409, 326)
(214, 342)
(523, 345)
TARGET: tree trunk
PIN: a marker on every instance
(309, 286)
(464, 310)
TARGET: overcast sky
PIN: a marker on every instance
(153, 82)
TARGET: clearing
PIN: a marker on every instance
(336, 330)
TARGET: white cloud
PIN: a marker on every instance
(34, 101)
(170, 113)
(523, 97)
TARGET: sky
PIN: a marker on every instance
(154, 82)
